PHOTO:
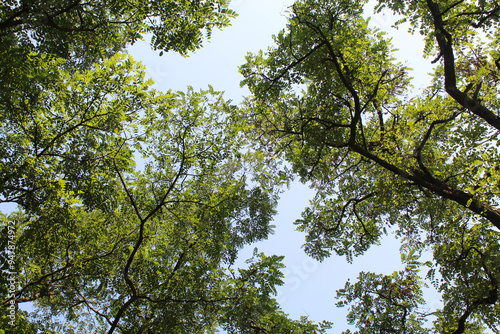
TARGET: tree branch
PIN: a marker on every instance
(419, 148)
(445, 42)
(438, 187)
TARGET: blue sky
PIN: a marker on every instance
(309, 285)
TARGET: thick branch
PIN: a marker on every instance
(445, 41)
(13, 20)
(438, 187)
(491, 299)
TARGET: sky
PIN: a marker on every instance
(310, 286)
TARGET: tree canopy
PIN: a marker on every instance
(132, 203)
(331, 100)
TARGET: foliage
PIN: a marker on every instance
(330, 100)
(86, 32)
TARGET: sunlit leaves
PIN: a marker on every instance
(88, 32)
